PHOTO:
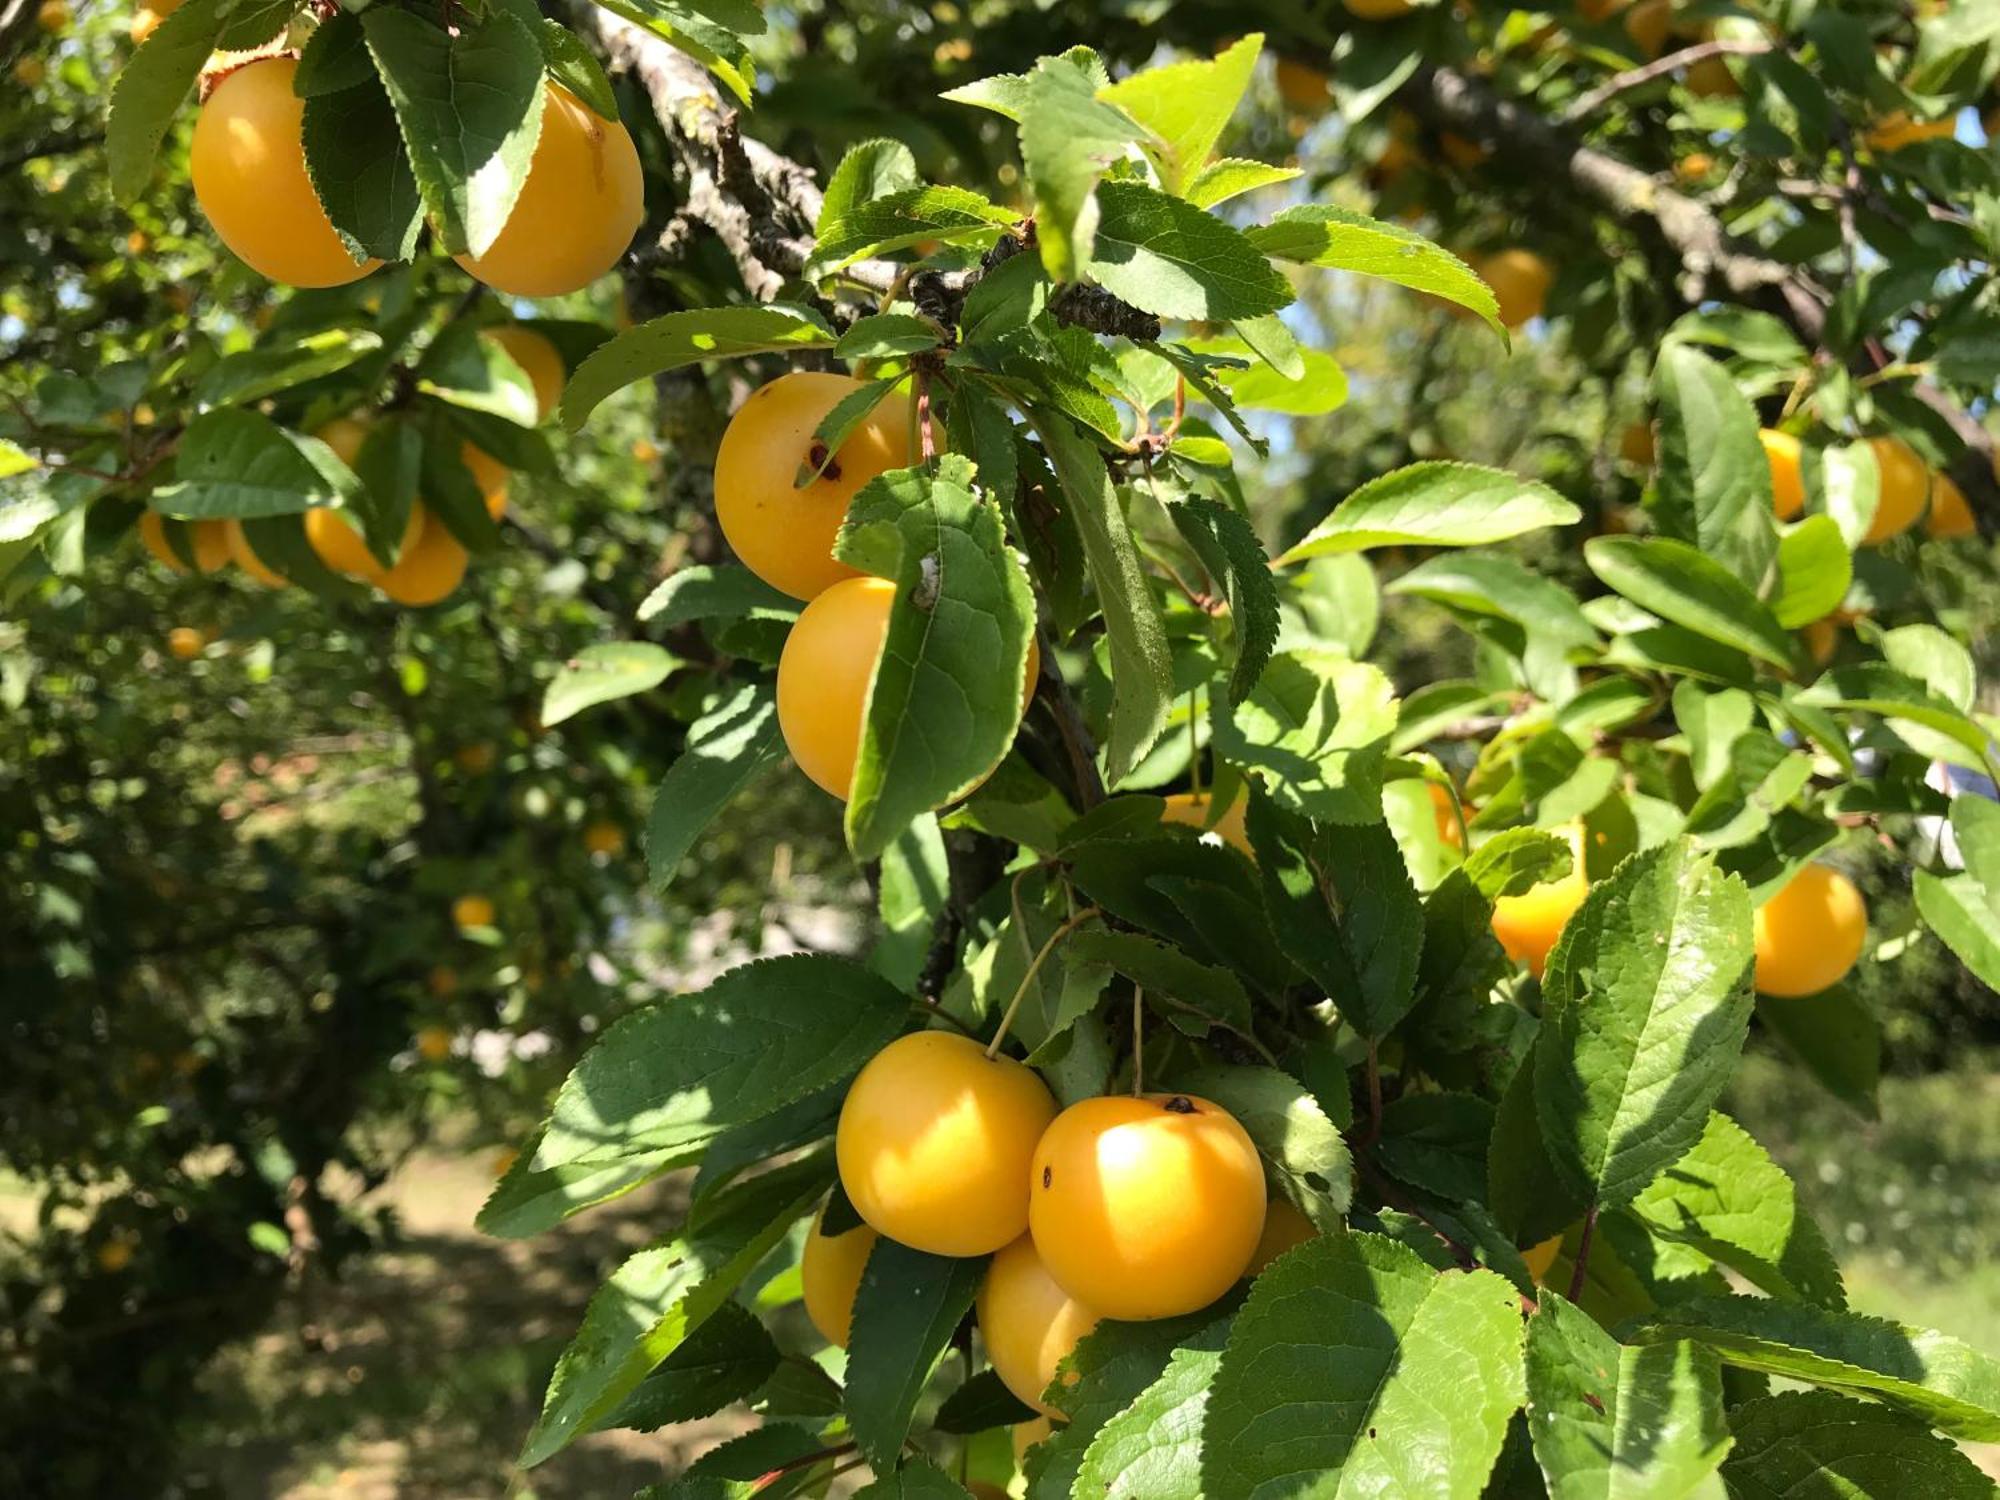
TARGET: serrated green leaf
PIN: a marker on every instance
(151, 88)
(686, 338)
(898, 220)
(1142, 677)
(882, 335)
(1928, 654)
(1941, 1379)
(715, 591)
(1683, 585)
(574, 66)
(1437, 1142)
(1194, 995)
(1727, 1199)
(264, 371)
(1816, 1445)
(724, 1360)
(676, 1073)
(1305, 1156)
(1185, 106)
(1165, 256)
(604, 672)
(1320, 234)
(526, 1201)
(1712, 483)
(1517, 859)
(1529, 1199)
(908, 1306)
(1232, 176)
(945, 700)
(1069, 137)
(662, 1294)
(982, 1404)
(354, 148)
(1761, 778)
(1319, 724)
(1814, 571)
(1229, 550)
(234, 462)
(916, 1480)
(1957, 910)
(1351, 918)
(869, 170)
(1152, 1449)
(1355, 1370)
(1319, 388)
(709, 31)
(1879, 689)
(1645, 1003)
(1617, 1423)
(469, 102)
(1435, 505)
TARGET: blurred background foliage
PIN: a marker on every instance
(258, 1076)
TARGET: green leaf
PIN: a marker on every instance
(677, 1073)
(1727, 1199)
(1112, 1366)
(472, 373)
(945, 700)
(1515, 860)
(724, 1360)
(1142, 676)
(1318, 388)
(1305, 1155)
(151, 89)
(1228, 548)
(1438, 1143)
(1645, 1003)
(1712, 485)
(1069, 137)
(709, 31)
(574, 66)
(1814, 571)
(1816, 1445)
(912, 889)
(1319, 234)
(603, 672)
(1351, 919)
(1152, 1449)
(234, 462)
(469, 102)
(1762, 777)
(1617, 1423)
(254, 374)
(871, 169)
(899, 220)
(661, 1295)
(1185, 106)
(15, 460)
(1356, 1370)
(908, 1306)
(686, 338)
(916, 1480)
(1682, 584)
(1529, 1199)
(727, 748)
(1004, 301)
(1976, 821)
(354, 146)
(1929, 655)
(1489, 585)
(526, 1201)
(1878, 689)
(1946, 1382)
(715, 591)
(1197, 995)
(1319, 724)
(1435, 505)
(1168, 257)
(1956, 908)
(879, 336)
(982, 1404)
(1836, 1037)
(1222, 180)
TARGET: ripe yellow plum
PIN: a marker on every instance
(1029, 1323)
(1810, 935)
(935, 1141)
(1904, 488)
(830, 1269)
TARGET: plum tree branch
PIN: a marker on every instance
(1711, 259)
(1589, 104)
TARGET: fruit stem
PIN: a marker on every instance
(1138, 1042)
(1576, 1275)
(1034, 968)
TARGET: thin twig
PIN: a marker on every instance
(1588, 104)
(1034, 968)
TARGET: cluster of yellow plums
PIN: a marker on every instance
(430, 562)
(578, 210)
(1809, 936)
(784, 533)
(1130, 1207)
